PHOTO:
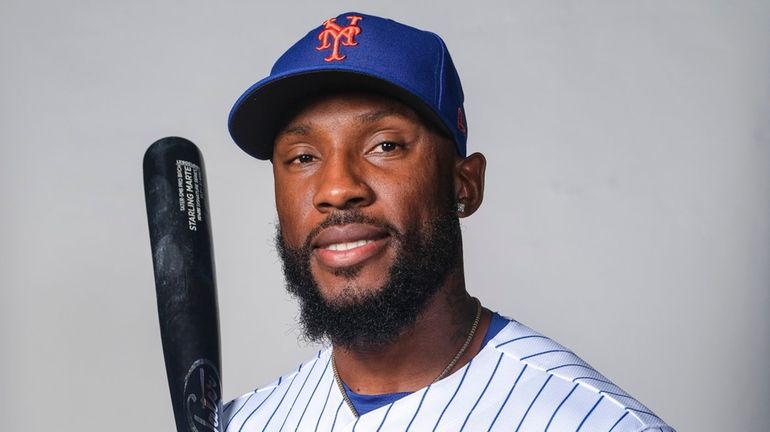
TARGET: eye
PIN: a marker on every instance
(303, 159)
(386, 147)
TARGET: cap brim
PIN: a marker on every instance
(257, 115)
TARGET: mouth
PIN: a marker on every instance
(339, 247)
(347, 246)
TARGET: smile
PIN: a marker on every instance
(347, 246)
(344, 246)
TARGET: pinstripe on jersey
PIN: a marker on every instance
(520, 381)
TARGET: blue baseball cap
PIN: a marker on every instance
(354, 52)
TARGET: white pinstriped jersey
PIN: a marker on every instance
(519, 381)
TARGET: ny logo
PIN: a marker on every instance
(333, 34)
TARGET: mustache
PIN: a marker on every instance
(347, 217)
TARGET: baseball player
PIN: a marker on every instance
(364, 124)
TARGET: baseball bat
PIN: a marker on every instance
(183, 262)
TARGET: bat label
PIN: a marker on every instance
(189, 180)
(203, 397)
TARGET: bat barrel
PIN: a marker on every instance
(182, 254)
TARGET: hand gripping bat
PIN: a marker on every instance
(182, 257)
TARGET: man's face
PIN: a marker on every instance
(365, 200)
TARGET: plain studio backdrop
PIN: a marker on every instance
(627, 210)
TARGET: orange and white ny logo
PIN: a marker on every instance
(333, 35)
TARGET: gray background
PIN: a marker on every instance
(626, 215)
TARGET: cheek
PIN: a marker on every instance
(436, 180)
(418, 195)
(292, 204)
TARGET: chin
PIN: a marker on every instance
(349, 286)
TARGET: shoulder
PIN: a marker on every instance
(557, 382)
(272, 403)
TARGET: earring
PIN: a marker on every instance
(460, 207)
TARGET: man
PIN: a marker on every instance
(364, 124)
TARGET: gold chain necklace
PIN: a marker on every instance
(338, 380)
(465, 345)
(443, 373)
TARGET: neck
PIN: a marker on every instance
(420, 353)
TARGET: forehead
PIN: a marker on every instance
(363, 107)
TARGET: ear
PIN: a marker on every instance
(469, 182)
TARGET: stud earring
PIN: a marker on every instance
(461, 207)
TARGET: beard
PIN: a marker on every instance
(374, 316)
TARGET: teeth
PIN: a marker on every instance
(347, 246)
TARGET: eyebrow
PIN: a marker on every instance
(299, 129)
(373, 116)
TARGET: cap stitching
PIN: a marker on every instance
(439, 78)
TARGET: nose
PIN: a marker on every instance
(342, 186)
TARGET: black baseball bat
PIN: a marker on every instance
(183, 260)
